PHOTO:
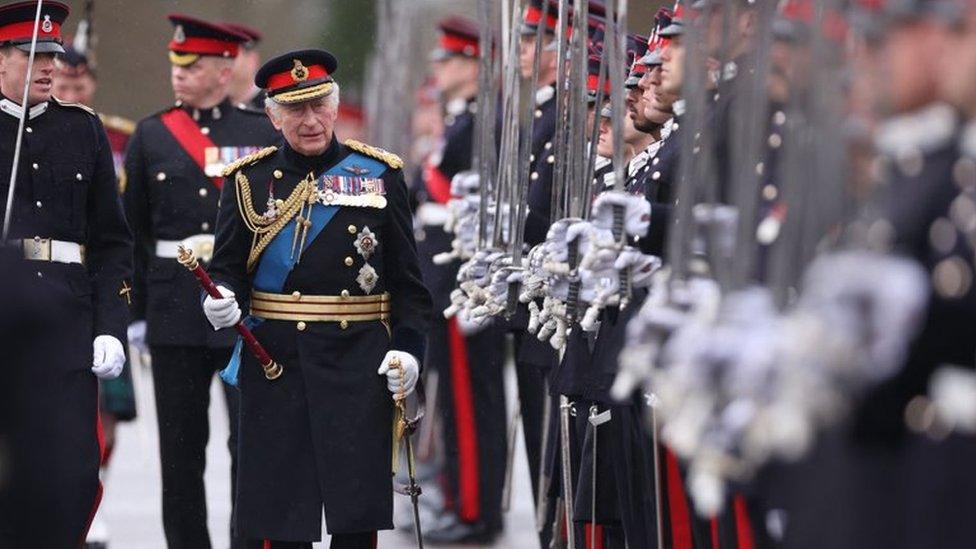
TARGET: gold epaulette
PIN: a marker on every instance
(247, 160)
(386, 157)
(117, 123)
(85, 108)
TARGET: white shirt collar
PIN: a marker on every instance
(924, 130)
(544, 94)
(456, 106)
(679, 107)
(14, 110)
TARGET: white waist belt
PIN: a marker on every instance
(45, 249)
(202, 246)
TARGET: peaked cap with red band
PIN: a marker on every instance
(193, 38)
(298, 76)
(655, 43)
(533, 16)
(459, 37)
(17, 25)
(677, 25)
(253, 35)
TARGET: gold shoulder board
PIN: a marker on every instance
(386, 157)
(118, 123)
(247, 160)
(85, 108)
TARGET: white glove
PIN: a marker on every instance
(400, 378)
(637, 212)
(642, 267)
(222, 313)
(137, 335)
(109, 357)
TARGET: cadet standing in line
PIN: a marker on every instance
(68, 228)
(469, 366)
(173, 168)
(317, 235)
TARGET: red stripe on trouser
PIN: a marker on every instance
(713, 525)
(588, 532)
(678, 504)
(743, 528)
(437, 184)
(100, 436)
(467, 434)
(266, 544)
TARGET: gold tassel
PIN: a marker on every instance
(399, 427)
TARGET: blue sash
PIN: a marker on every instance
(276, 261)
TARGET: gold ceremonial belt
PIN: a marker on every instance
(320, 308)
(59, 251)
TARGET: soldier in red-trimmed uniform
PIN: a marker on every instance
(173, 167)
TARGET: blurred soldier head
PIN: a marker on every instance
(898, 43)
(16, 31)
(673, 53)
(604, 144)
(636, 104)
(202, 56)
(455, 61)
(742, 21)
(531, 20)
(958, 70)
(246, 64)
(74, 78)
(303, 99)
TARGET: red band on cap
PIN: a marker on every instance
(457, 44)
(205, 46)
(593, 80)
(534, 14)
(25, 30)
(285, 79)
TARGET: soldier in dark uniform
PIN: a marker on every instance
(242, 89)
(173, 168)
(76, 81)
(318, 235)
(466, 357)
(69, 231)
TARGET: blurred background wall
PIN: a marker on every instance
(132, 36)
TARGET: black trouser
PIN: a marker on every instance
(365, 540)
(472, 407)
(182, 378)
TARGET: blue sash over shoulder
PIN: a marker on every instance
(277, 261)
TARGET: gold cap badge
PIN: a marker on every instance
(299, 73)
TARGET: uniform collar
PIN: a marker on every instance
(14, 110)
(544, 94)
(207, 115)
(923, 130)
(316, 163)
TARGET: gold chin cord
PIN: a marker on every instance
(402, 429)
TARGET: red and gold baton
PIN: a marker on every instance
(272, 370)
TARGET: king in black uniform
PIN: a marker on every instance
(318, 235)
(173, 167)
(68, 229)
(466, 357)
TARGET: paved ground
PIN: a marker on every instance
(131, 507)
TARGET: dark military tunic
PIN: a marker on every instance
(66, 190)
(321, 433)
(168, 197)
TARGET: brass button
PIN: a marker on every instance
(29, 130)
(296, 295)
(161, 176)
(205, 130)
(349, 262)
(277, 174)
(79, 177)
(344, 324)
(351, 229)
(300, 326)
(203, 192)
(344, 294)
